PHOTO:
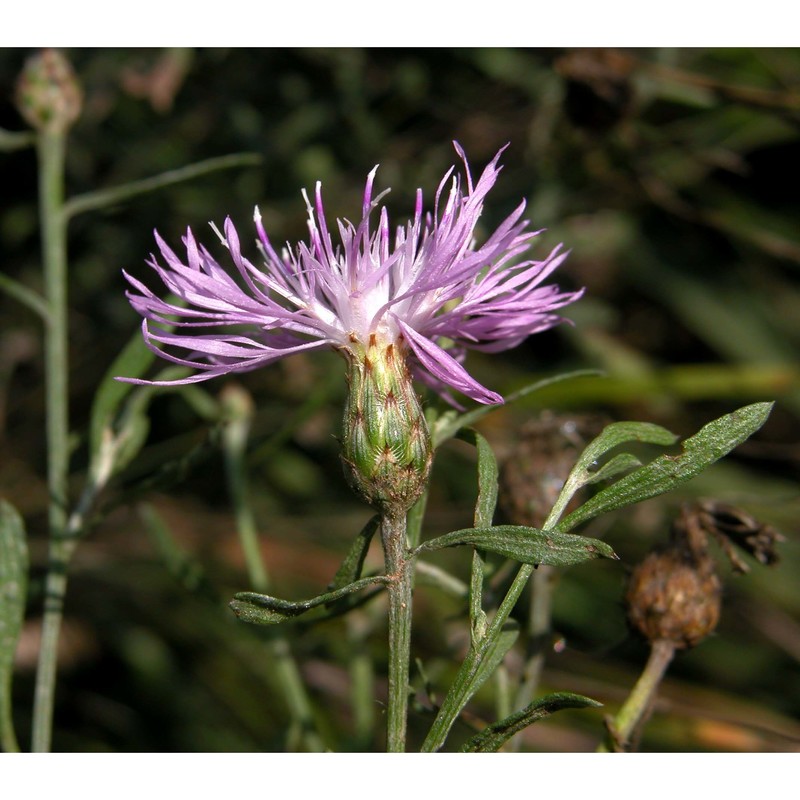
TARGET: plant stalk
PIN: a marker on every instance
(51, 152)
(458, 695)
(399, 570)
(283, 664)
(539, 627)
(635, 710)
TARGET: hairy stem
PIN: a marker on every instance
(399, 570)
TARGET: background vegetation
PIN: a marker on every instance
(670, 174)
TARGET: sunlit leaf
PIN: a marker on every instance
(709, 444)
(527, 545)
(586, 468)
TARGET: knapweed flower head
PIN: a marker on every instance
(412, 302)
(432, 284)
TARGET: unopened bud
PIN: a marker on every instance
(386, 447)
(49, 96)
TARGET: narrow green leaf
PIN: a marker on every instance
(492, 738)
(132, 362)
(351, 567)
(487, 477)
(618, 433)
(708, 445)
(585, 470)
(488, 473)
(262, 609)
(120, 410)
(527, 545)
(13, 592)
(415, 518)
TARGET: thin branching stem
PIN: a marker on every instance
(51, 150)
(103, 198)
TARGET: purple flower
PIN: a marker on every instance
(433, 284)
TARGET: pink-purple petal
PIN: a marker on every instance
(428, 281)
(444, 367)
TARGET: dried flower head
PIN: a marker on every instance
(674, 596)
(431, 284)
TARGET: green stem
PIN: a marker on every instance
(539, 625)
(283, 664)
(458, 695)
(637, 707)
(103, 198)
(399, 570)
(296, 696)
(51, 150)
(460, 690)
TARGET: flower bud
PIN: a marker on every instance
(49, 96)
(386, 447)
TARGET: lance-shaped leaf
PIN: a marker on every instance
(527, 545)
(586, 468)
(487, 477)
(133, 361)
(262, 609)
(492, 738)
(708, 445)
(488, 473)
(13, 591)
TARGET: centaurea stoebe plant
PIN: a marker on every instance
(397, 307)
(395, 310)
(387, 306)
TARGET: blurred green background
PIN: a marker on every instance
(672, 177)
